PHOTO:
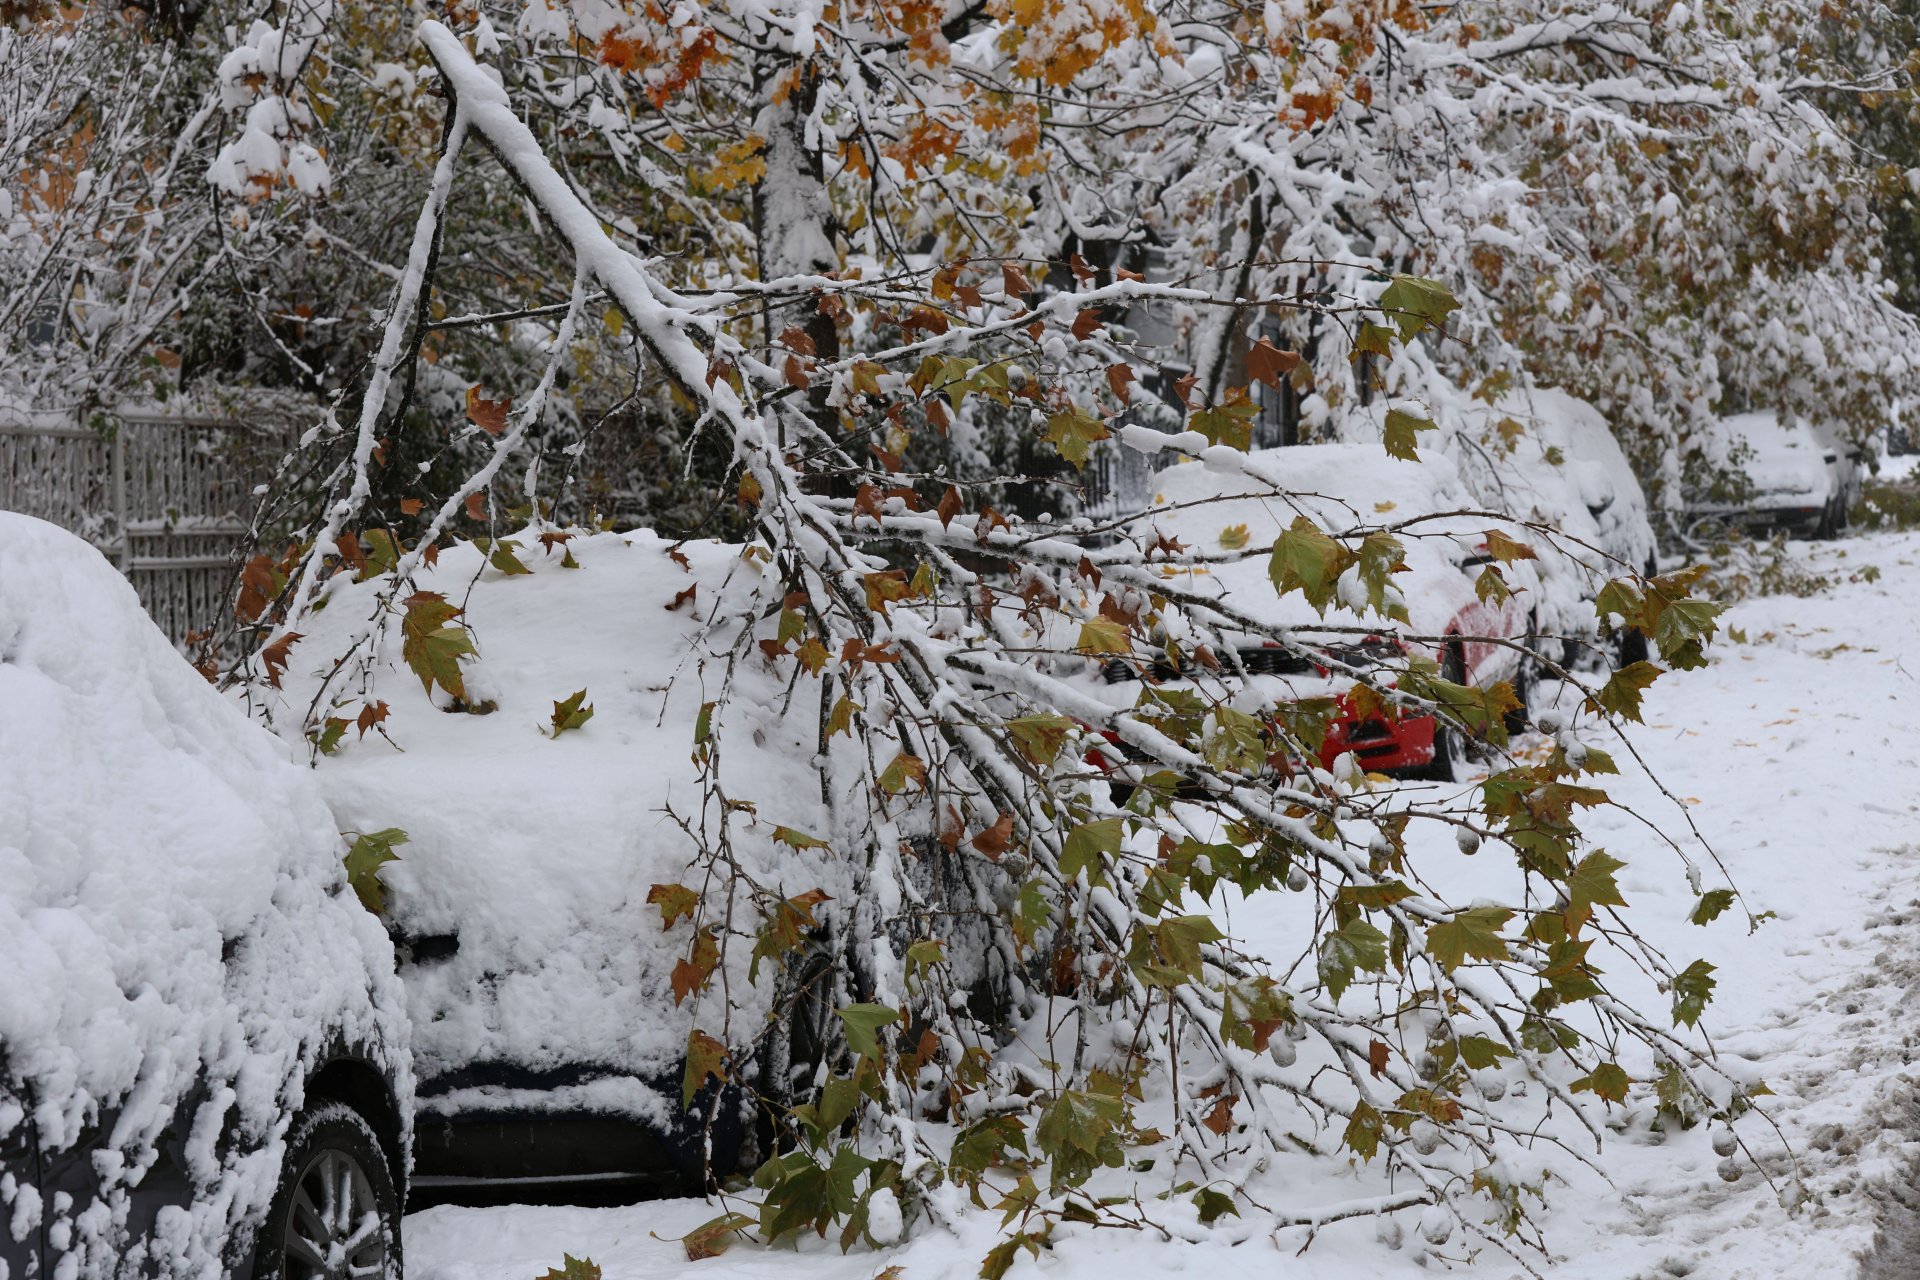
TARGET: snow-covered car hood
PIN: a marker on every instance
(538, 852)
(173, 914)
(1340, 487)
(1544, 455)
(1785, 462)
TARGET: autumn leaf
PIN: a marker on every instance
(994, 840)
(1014, 280)
(275, 656)
(1506, 550)
(1085, 323)
(411, 506)
(1268, 363)
(682, 599)
(1402, 434)
(477, 506)
(798, 839)
(572, 1268)
(1118, 376)
(365, 856)
(431, 646)
(1103, 635)
(1073, 432)
(488, 415)
(691, 973)
(570, 713)
(674, 901)
(370, 715)
(949, 507)
(903, 770)
(706, 1058)
(711, 1238)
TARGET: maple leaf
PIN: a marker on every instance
(275, 656)
(706, 1057)
(476, 506)
(674, 901)
(431, 646)
(411, 506)
(258, 585)
(949, 506)
(681, 599)
(369, 852)
(1014, 281)
(572, 1268)
(798, 340)
(570, 712)
(1220, 1118)
(1081, 271)
(903, 770)
(370, 715)
(1085, 323)
(1268, 363)
(994, 840)
(711, 1238)
(488, 415)
(1073, 432)
(691, 973)
(554, 538)
(1118, 376)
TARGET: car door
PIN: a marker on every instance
(19, 1176)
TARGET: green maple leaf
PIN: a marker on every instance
(1591, 884)
(1692, 989)
(1306, 560)
(365, 856)
(1474, 932)
(1355, 945)
(573, 1269)
(431, 646)
(1085, 843)
(1414, 303)
(571, 713)
(1040, 737)
(1103, 635)
(1402, 434)
(1073, 432)
(863, 1023)
(1229, 424)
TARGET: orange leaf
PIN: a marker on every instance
(1014, 280)
(796, 373)
(949, 506)
(370, 715)
(797, 339)
(411, 506)
(1085, 323)
(275, 656)
(476, 506)
(488, 415)
(1377, 1058)
(994, 840)
(683, 598)
(1220, 1119)
(1269, 363)
(1081, 271)
(1118, 376)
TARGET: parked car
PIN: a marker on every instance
(204, 1063)
(548, 1038)
(1343, 486)
(1765, 474)
(1548, 457)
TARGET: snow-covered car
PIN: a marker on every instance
(203, 1045)
(549, 1037)
(1342, 487)
(1547, 456)
(1766, 473)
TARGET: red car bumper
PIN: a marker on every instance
(1378, 744)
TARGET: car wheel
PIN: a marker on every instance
(1524, 675)
(335, 1214)
(1449, 745)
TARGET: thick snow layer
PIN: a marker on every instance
(173, 917)
(1785, 461)
(1341, 487)
(538, 852)
(1797, 752)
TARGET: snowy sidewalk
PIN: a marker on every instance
(1798, 754)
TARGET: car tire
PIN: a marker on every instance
(331, 1149)
(1524, 676)
(1449, 744)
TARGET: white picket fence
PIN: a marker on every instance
(166, 497)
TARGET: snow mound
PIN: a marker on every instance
(537, 852)
(146, 828)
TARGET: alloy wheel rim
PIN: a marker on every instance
(333, 1229)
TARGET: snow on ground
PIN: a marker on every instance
(1798, 755)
